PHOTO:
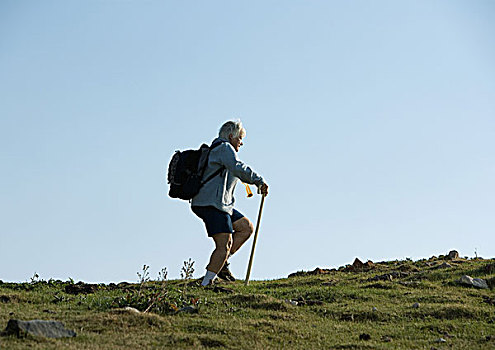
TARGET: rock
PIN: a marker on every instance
(317, 271)
(416, 305)
(466, 280)
(480, 283)
(357, 264)
(5, 299)
(41, 328)
(364, 336)
(453, 254)
(475, 282)
(374, 309)
(369, 265)
(440, 340)
(132, 310)
(444, 265)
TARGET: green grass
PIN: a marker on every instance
(334, 310)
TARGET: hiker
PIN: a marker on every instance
(214, 203)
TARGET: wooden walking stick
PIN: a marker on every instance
(254, 240)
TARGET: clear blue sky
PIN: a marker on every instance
(372, 122)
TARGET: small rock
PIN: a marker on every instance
(440, 340)
(369, 264)
(416, 305)
(48, 329)
(132, 310)
(374, 309)
(444, 265)
(386, 339)
(292, 302)
(453, 254)
(317, 271)
(364, 336)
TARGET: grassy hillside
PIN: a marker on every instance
(387, 305)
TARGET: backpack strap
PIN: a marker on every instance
(219, 171)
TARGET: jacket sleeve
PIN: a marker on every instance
(239, 168)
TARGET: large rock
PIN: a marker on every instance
(40, 328)
(475, 282)
(453, 254)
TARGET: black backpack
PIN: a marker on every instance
(186, 170)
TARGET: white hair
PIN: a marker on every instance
(233, 128)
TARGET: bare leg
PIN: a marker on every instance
(223, 244)
(243, 229)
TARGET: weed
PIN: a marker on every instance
(186, 274)
(35, 278)
(143, 277)
(161, 294)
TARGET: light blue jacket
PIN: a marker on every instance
(219, 191)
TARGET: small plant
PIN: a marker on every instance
(160, 295)
(35, 278)
(162, 275)
(143, 277)
(186, 274)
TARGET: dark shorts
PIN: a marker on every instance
(217, 221)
